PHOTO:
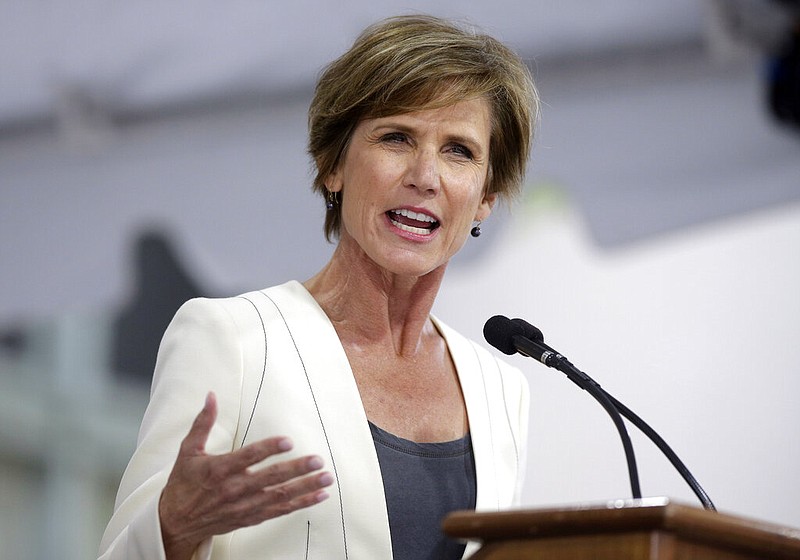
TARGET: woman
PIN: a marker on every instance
(415, 132)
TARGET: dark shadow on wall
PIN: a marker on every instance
(161, 285)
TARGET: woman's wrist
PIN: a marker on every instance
(176, 546)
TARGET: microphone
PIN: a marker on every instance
(517, 335)
(510, 337)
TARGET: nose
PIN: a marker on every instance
(423, 172)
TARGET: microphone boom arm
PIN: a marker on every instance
(550, 358)
(667, 451)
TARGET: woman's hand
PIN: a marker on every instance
(208, 495)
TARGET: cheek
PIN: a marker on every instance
(472, 197)
(367, 176)
(361, 201)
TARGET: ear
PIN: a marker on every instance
(485, 207)
(333, 182)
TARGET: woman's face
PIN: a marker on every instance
(413, 184)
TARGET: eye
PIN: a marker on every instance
(461, 150)
(394, 138)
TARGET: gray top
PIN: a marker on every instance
(423, 482)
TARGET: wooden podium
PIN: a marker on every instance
(648, 529)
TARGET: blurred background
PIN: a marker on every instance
(155, 151)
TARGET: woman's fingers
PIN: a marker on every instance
(240, 484)
(284, 471)
(276, 500)
(195, 441)
(298, 493)
(249, 455)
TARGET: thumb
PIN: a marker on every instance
(195, 441)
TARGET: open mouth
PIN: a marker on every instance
(412, 222)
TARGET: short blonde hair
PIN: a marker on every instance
(410, 63)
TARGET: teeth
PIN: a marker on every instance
(414, 215)
(418, 231)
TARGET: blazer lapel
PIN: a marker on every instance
(356, 467)
(470, 375)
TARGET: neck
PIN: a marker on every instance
(370, 306)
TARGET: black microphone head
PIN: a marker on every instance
(527, 330)
(499, 331)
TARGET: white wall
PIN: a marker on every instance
(696, 333)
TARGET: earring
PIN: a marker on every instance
(331, 201)
(476, 231)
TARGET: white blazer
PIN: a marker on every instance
(278, 368)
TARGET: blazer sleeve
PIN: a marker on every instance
(200, 352)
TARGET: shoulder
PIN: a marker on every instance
(242, 309)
